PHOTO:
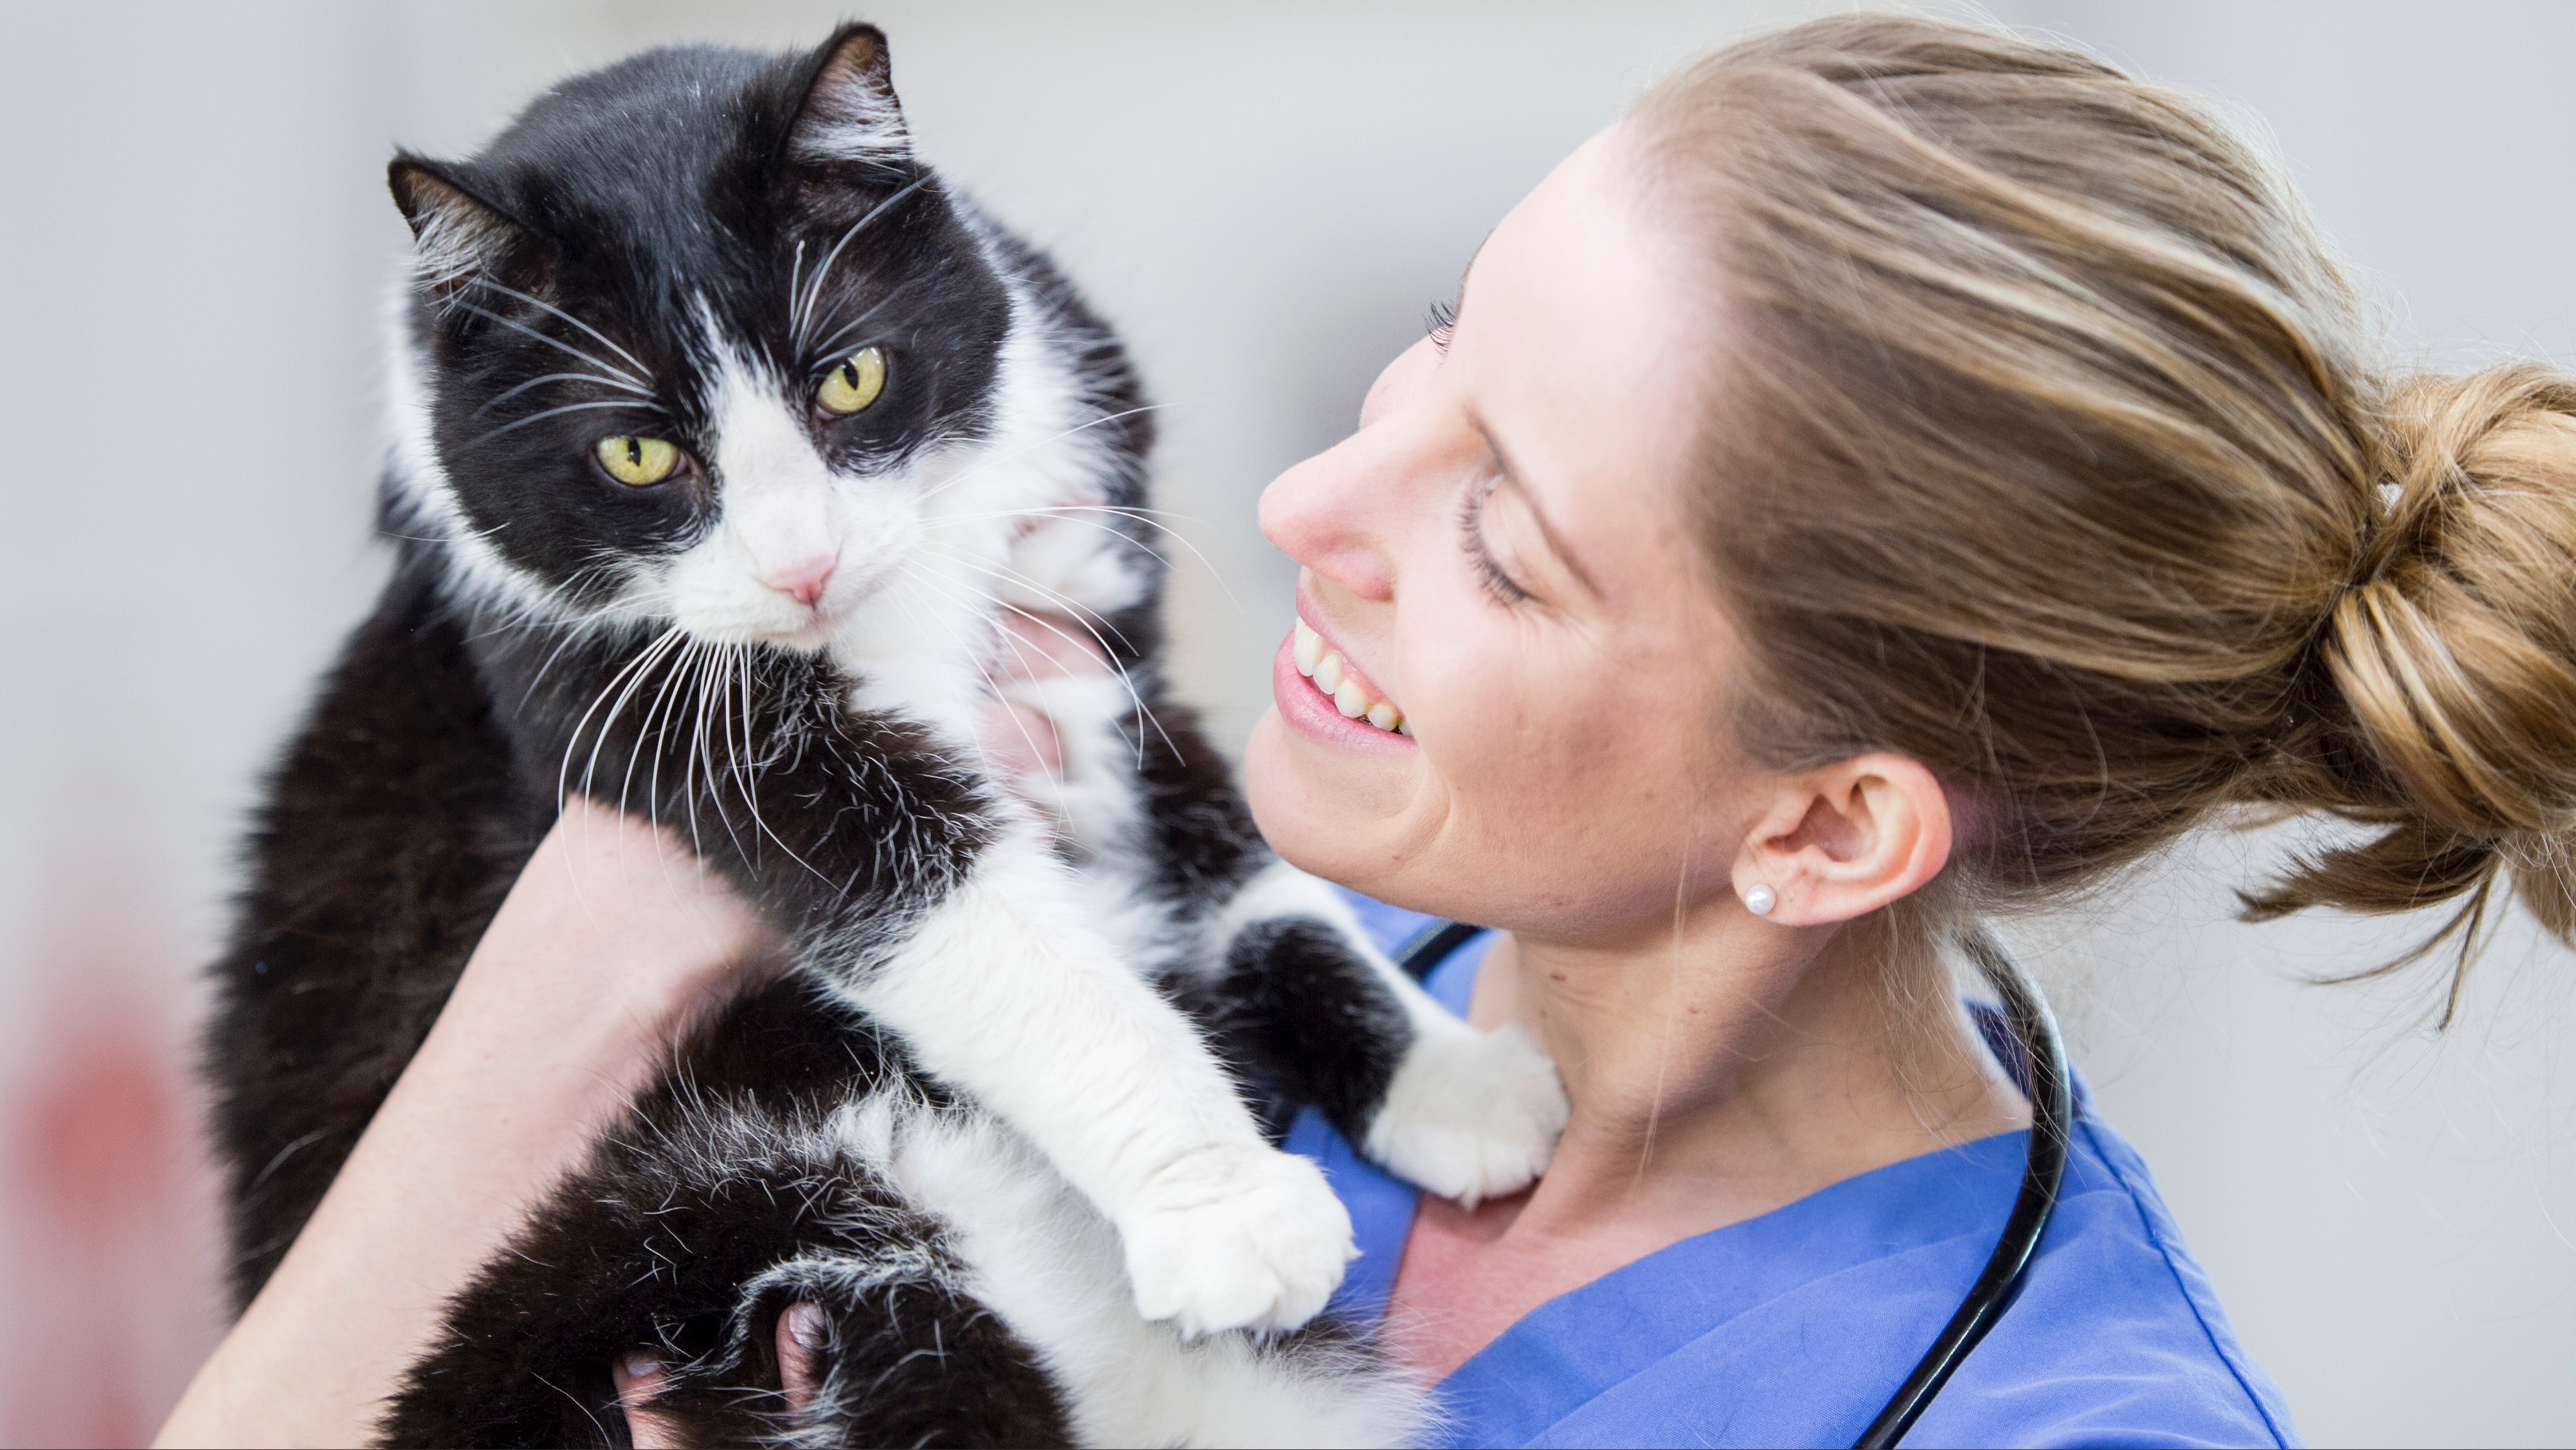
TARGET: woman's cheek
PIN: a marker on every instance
(1554, 757)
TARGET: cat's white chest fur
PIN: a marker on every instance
(1014, 524)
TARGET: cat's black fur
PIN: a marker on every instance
(659, 203)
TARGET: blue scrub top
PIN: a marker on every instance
(1795, 1327)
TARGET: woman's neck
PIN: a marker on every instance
(1719, 1068)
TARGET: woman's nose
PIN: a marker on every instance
(1340, 512)
(1321, 513)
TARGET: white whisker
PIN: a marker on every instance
(1076, 612)
(602, 379)
(814, 288)
(445, 538)
(736, 666)
(992, 686)
(826, 346)
(795, 292)
(1082, 613)
(487, 437)
(632, 673)
(570, 638)
(693, 740)
(665, 704)
(992, 463)
(747, 776)
(515, 325)
(1055, 512)
(642, 372)
(498, 616)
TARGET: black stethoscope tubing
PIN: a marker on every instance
(2051, 1090)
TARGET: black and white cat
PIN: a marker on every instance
(726, 437)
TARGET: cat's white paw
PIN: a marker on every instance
(1237, 1238)
(1470, 1115)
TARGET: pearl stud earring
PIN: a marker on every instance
(1759, 899)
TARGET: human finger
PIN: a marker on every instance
(639, 1380)
(1021, 740)
(804, 1331)
(1043, 643)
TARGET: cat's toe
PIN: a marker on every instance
(1470, 1115)
(1247, 1238)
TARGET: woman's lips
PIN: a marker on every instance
(1319, 716)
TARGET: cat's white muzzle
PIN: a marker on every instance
(796, 546)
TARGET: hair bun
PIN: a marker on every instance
(2453, 658)
(2047, 444)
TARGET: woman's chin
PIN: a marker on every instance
(1281, 805)
(1321, 809)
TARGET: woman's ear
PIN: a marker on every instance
(1833, 844)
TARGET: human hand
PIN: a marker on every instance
(613, 940)
(802, 1332)
(617, 921)
(1038, 646)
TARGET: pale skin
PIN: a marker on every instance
(610, 944)
(1569, 778)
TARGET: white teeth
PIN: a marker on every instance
(1332, 676)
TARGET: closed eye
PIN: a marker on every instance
(1490, 572)
(1440, 323)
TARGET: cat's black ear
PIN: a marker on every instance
(458, 237)
(849, 115)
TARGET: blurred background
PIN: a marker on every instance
(194, 249)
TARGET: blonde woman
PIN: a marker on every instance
(1897, 474)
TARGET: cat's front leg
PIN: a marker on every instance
(1467, 1114)
(1285, 973)
(1006, 990)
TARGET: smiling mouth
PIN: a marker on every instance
(1332, 678)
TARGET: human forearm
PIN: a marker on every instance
(608, 942)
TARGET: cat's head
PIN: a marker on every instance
(698, 340)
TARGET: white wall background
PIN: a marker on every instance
(194, 235)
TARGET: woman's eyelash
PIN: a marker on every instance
(1441, 321)
(1471, 513)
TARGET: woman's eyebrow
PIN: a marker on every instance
(1555, 541)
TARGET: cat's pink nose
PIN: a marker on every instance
(805, 582)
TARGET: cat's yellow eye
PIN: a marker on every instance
(638, 462)
(854, 382)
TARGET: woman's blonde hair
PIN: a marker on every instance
(2054, 450)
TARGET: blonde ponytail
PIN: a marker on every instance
(2452, 660)
(2049, 445)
